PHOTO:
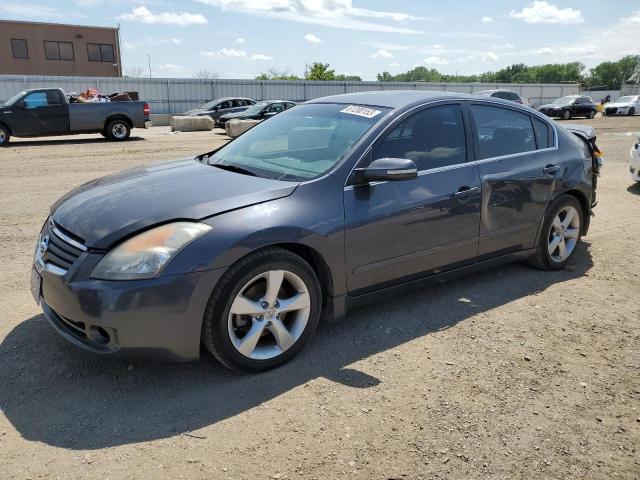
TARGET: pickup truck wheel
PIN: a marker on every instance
(4, 136)
(118, 130)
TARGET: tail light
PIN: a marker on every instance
(145, 109)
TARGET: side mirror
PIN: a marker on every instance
(387, 169)
(268, 114)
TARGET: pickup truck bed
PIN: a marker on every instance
(47, 112)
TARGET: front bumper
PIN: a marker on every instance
(155, 319)
(634, 163)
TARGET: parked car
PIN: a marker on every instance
(337, 202)
(221, 106)
(627, 105)
(505, 95)
(45, 112)
(634, 162)
(258, 111)
(570, 106)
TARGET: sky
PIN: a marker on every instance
(242, 38)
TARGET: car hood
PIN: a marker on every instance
(618, 104)
(196, 111)
(554, 105)
(229, 116)
(103, 211)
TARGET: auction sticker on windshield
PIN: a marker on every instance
(360, 111)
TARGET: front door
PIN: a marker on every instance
(43, 113)
(397, 231)
(519, 166)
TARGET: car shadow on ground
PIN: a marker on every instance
(55, 394)
(67, 141)
(635, 188)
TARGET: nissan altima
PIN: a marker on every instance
(333, 203)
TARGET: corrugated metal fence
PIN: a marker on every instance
(173, 95)
(630, 90)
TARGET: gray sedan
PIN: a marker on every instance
(331, 204)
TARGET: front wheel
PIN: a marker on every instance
(263, 310)
(632, 111)
(5, 136)
(592, 114)
(561, 232)
(566, 114)
(118, 130)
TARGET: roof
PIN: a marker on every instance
(389, 98)
(493, 90)
(59, 24)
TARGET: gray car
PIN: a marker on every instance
(336, 202)
(221, 106)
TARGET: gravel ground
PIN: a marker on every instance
(536, 376)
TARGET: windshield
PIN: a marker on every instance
(301, 143)
(210, 105)
(14, 99)
(563, 100)
(256, 108)
(627, 99)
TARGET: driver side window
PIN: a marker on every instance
(35, 100)
(432, 138)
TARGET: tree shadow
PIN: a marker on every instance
(68, 141)
(55, 394)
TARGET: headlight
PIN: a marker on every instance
(146, 254)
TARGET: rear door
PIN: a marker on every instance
(516, 156)
(396, 231)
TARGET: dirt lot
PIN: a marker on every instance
(537, 377)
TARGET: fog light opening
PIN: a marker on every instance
(99, 335)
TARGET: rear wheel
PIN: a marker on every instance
(118, 130)
(560, 235)
(566, 114)
(5, 136)
(592, 114)
(262, 311)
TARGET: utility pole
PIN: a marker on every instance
(149, 58)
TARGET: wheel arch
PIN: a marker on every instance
(586, 209)
(7, 127)
(117, 116)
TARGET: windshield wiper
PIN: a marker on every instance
(233, 168)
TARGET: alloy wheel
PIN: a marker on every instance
(119, 130)
(269, 314)
(564, 234)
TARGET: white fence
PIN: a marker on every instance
(630, 90)
(172, 95)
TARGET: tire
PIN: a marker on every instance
(118, 130)
(592, 114)
(632, 111)
(547, 257)
(566, 114)
(243, 287)
(104, 134)
(5, 136)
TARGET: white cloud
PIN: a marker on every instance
(311, 38)
(177, 41)
(259, 57)
(173, 68)
(394, 65)
(328, 13)
(542, 12)
(489, 57)
(144, 15)
(487, 19)
(382, 53)
(546, 51)
(434, 61)
(224, 53)
(129, 45)
(29, 10)
(240, 41)
(576, 51)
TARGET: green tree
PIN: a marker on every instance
(320, 71)
(275, 74)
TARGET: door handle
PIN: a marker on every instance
(551, 170)
(464, 192)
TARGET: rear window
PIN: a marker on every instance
(544, 135)
(502, 131)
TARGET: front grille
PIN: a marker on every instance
(63, 249)
(611, 110)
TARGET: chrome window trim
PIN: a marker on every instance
(460, 101)
(64, 237)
